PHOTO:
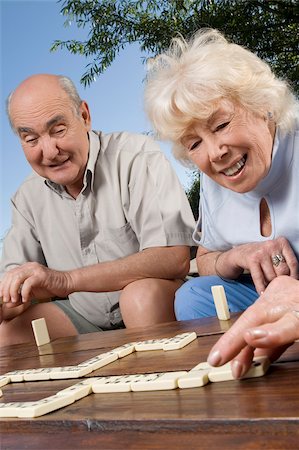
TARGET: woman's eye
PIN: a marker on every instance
(194, 145)
(222, 125)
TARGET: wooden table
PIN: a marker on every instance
(249, 414)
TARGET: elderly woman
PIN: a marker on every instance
(227, 113)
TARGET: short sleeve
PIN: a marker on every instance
(21, 243)
(159, 210)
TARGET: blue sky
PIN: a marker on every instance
(28, 28)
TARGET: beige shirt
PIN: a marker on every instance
(131, 200)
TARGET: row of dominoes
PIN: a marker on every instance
(86, 367)
(199, 376)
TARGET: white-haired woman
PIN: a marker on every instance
(227, 113)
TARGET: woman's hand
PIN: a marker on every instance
(32, 280)
(266, 328)
(264, 260)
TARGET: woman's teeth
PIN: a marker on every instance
(235, 168)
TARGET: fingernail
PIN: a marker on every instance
(237, 369)
(214, 358)
(257, 333)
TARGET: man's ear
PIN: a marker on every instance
(85, 114)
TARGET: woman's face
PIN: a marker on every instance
(233, 147)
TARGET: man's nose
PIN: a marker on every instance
(49, 148)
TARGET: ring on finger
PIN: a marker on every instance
(277, 259)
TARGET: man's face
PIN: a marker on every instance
(53, 135)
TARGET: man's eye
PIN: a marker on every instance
(222, 125)
(30, 140)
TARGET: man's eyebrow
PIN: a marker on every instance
(55, 120)
(49, 124)
(25, 130)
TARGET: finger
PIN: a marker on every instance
(269, 270)
(241, 364)
(281, 332)
(271, 353)
(27, 287)
(15, 287)
(291, 261)
(232, 342)
(258, 278)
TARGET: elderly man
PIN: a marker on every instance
(102, 227)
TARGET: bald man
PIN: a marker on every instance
(102, 227)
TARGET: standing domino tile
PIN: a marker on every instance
(194, 379)
(179, 341)
(157, 381)
(40, 331)
(220, 302)
(259, 367)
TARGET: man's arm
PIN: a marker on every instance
(32, 280)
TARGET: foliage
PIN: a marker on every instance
(268, 27)
(193, 193)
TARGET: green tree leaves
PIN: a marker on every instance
(267, 27)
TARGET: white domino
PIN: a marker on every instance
(98, 361)
(9, 409)
(60, 373)
(194, 379)
(4, 379)
(44, 406)
(220, 302)
(15, 376)
(158, 381)
(37, 374)
(202, 366)
(121, 383)
(1, 393)
(78, 391)
(258, 368)
(151, 344)
(40, 331)
(124, 350)
(179, 341)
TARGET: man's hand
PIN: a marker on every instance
(266, 328)
(32, 280)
